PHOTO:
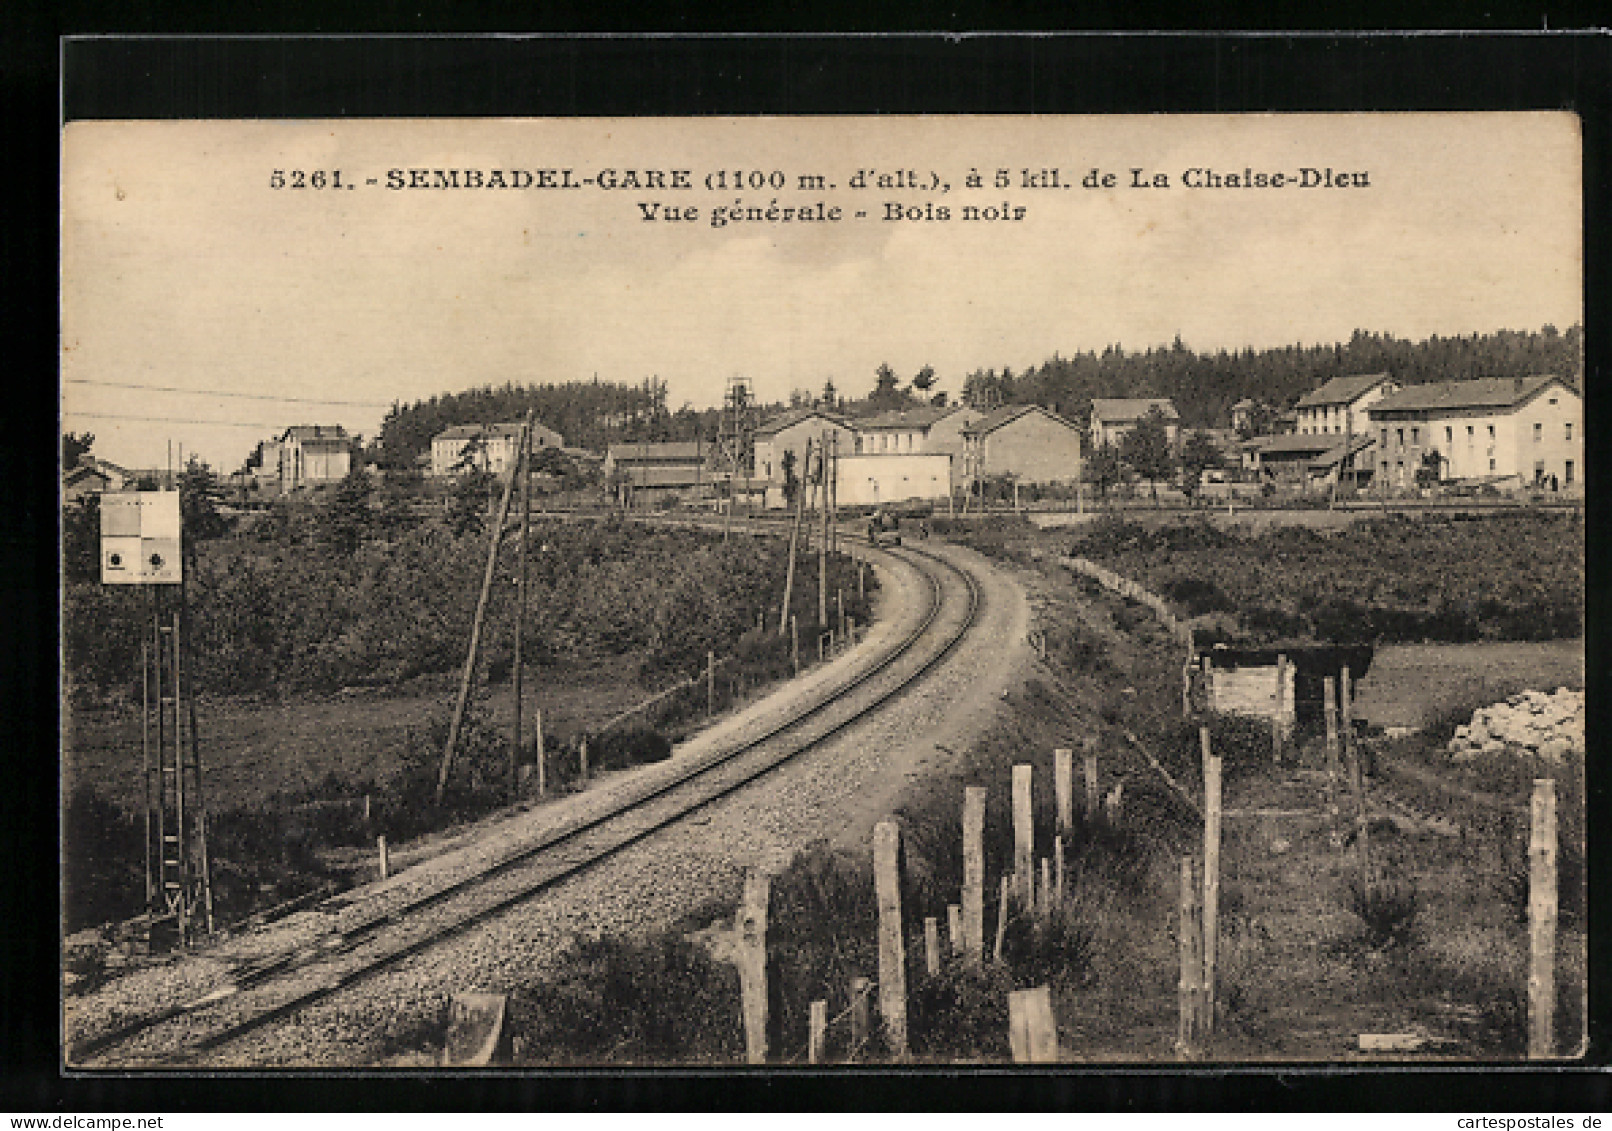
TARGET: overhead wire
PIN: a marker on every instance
(224, 393)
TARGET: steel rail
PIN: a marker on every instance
(350, 938)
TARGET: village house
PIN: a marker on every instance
(1027, 442)
(933, 432)
(313, 454)
(1113, 417)
(93, 476)
(493, 447)
(1526, 430)
(1340, 405)
(1308, 460)
(1243, 414)
(790, 432)
(651, 472)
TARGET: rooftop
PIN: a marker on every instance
(997, 417)
(1342, 390)
(921, 417)
(1485, 392)
(686, 450)
(467, 431)
(794, 416)
(303, 433)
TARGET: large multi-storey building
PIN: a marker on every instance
(1493, 428)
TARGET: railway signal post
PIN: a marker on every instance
(142, 544)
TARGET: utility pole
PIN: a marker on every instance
(475, 640)
(523, 467)
(794, 541)
(834, 489)
(822, 545)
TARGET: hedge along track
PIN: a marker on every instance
(275, 988)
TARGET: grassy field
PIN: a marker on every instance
(257, 750)
(1412, 684)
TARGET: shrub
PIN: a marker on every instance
(960, 1013)
(821, 933)
(103, 861)
(632, 746)
(1387, 905)
(661, 1000)
(1198, 595)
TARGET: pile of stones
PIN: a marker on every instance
(1536, 723)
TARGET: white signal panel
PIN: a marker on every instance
(140, 538)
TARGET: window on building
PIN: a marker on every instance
(1491, 431)
(1449, 435)
(1401, 437)
(1385, 440)
(1569, 431)
(1416, 435)
(1567, 472)
(1539, 432)
(1491, 463)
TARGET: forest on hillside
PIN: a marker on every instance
(1203, 385)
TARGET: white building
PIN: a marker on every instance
(1113, 417)
(494, 447)
(1530, 429)
(894, 477)
(312, 454)
(1340, 406)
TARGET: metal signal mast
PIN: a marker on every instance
(736, 434)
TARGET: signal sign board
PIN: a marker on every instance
(140, 538)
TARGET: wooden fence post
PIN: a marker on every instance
(1032, 1031)
(817, 1033)
(1092, 798)
(1046, 900)
(954, 927)
(582, 761)
(1542, 906)
(1023, 831)
(973, 911)
(1190, 939)
(1112, 805)
(931, 945)
(1001, 919)
(861, 580)
(1058, 882)
(1211, 877)
(859, 1014)
(794, 641)
(751, 924)
(892, 947)
(386, 863)
(1278, 719)
(542, 758)
(710, 684)
(1063, 786)
(1329, 711)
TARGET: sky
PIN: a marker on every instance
(202, 306)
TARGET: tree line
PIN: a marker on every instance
(1204, 385)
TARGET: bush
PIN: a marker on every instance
(618, 749)
(103, 861)
(663, 1000)
(1198, 595)
(1387, 905)
(961, 1013)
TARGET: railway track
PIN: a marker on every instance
(275, 988)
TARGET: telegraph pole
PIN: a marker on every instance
(822, 545)
(794, 540)
(523, 467)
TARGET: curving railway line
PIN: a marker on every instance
(274, 989)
